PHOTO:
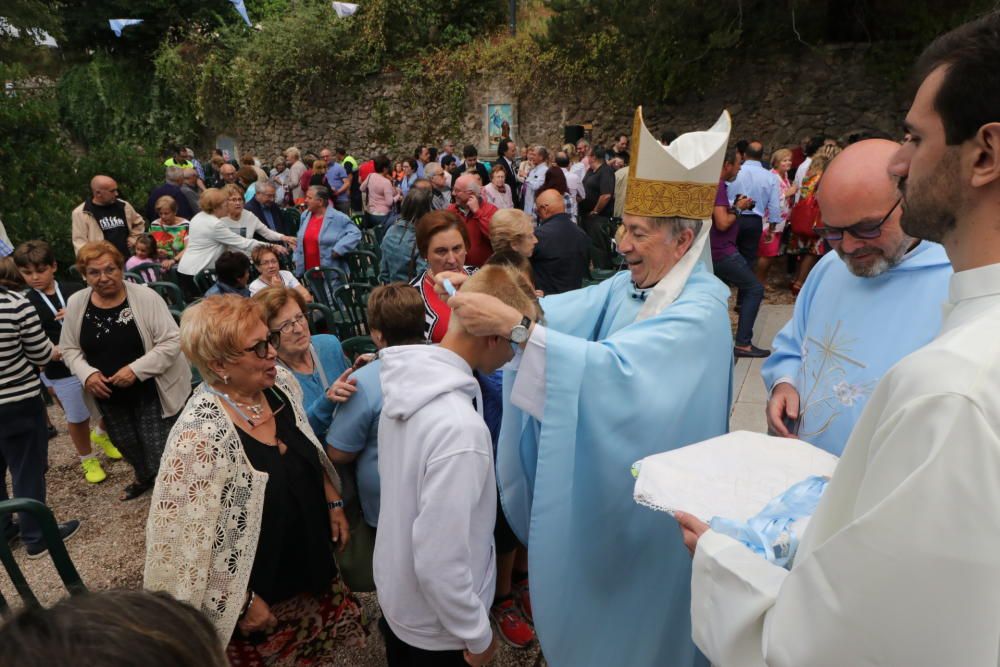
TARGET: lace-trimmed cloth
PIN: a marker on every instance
(204, 520)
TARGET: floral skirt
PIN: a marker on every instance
(310, 628)
(799, 245)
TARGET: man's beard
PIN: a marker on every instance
(929, 205)
(879, 265)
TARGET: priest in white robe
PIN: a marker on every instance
(617, 371)
(900, 564)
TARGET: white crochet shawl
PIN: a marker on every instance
(204, 521)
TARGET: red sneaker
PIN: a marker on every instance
(522, 594)
(513, 629)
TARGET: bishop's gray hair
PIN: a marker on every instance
(677, 225)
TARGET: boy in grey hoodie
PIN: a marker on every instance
(434, 559)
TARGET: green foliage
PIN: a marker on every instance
(111, 100)
(42, 179)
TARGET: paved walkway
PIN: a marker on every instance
(748, 390)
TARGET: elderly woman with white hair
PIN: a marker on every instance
(246, 511)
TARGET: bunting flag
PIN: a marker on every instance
(242, 9)
(117, 25)
(345, 9)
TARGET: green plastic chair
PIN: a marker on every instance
(176, 314)
(292, 217)
(322, 319)
(134, 278)
(600, 275)
(204, 280)
(57, 551)
(352, 302)
(170, 292)
(141, 269)
(323, 282)
(358, 345)
(362, 266)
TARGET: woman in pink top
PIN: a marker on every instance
(380, 193)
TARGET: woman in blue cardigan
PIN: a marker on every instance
(315, 361)
(325, 234)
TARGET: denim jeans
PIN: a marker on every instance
(735, 271)
(751, 229)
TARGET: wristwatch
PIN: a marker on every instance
(335, 504)
(519, 333)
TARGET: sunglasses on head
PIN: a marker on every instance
(260, 349)
(860, 230)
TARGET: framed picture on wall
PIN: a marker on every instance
(499, 123)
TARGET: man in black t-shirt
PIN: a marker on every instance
(105, 217)
(596, 208)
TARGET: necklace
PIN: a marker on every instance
(256, 408)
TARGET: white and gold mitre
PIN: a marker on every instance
(679, 180)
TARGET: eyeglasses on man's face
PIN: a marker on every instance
(260, 348)
(864, 231)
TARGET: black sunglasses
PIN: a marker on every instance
(260, 349)
(860, 230)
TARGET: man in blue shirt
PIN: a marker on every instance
(339, 181)
(764, 191)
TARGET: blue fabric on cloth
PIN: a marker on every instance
(242, 9)
(491, 387)
(319, 409)
(610, 580)
(338, 235)
(117, 25)
(846, 332)
(769, 532)
(399, 253)
(355, 429)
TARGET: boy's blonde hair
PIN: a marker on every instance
(507, 284)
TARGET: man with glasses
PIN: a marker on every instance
(864, 308)
(105, 217)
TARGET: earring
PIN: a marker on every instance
(225, 379)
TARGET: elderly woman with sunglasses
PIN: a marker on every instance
(246, 512)
(317, 362)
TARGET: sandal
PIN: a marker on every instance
(796, 288)
(134, 490)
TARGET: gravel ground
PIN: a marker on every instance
(109, 548)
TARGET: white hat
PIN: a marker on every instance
(679, 180)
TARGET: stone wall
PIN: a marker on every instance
(778, 100)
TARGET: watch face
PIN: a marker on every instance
(519, 334)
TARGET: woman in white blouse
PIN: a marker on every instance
(208, 237)
(271, 274)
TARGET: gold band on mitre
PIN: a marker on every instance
(679, 181)
(660, 199)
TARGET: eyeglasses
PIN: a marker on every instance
(97, 273)
(860, 230)
(260, 349)
(287, 326)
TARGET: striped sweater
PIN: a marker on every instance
(23, 345)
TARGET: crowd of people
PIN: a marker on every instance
(472, 472)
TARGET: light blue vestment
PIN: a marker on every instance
(846, 332)
(610, 580)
